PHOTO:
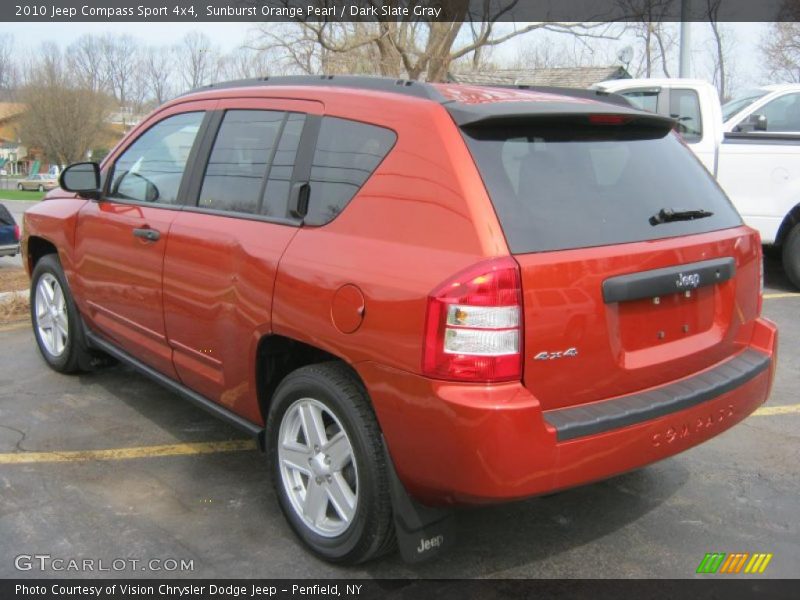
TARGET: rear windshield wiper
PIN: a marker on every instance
(667, 215)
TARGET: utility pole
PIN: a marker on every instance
(686, 40)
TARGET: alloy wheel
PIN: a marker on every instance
(51, 315)
(318, 467)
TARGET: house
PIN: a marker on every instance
(573, 77)
(12, 153)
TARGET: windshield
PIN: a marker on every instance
(741, 102)
(557, 188)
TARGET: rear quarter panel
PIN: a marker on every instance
(421, 217)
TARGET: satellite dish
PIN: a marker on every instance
(625, 55)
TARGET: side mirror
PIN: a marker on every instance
(754, 122)
(759, 122)
(83, 179)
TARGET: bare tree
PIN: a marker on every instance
(415, 48)
(120, 59)
(647, 20)
(720, 47)
(245, 63)
(63, 120)
(87, 62)
(781, 49)
(8, 72)
(198, 59)
(157, 70)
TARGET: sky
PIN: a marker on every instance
(228, 36)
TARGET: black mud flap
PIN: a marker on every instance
(423, 532)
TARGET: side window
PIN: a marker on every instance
(151, 169)
(346, 155)
(643, 99)
(783, 114)
(243, 148)
(279, 177)
(684, 105)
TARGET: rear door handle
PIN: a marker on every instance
(147, 233)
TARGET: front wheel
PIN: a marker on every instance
(19, 187)
(791, 255)
(55, 319)
(328, 466)
(41, 188)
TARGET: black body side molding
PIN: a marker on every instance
(215, 409)
(598, 417)
(670, 280)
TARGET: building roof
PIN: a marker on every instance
(11, 109)
(574, 77)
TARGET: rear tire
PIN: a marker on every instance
(19, 187)
(791, 255)
(55, 319)
(41, 188)
(325, 452)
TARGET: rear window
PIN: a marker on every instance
(564, 187)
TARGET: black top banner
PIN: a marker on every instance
(400, 10)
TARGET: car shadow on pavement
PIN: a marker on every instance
(495, 540)
(160, 408)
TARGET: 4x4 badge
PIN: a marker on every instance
(568, 353)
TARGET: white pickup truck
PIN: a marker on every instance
(751, 145)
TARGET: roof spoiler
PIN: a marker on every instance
(564, 111)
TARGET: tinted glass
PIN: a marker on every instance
(346, 155)
(562, 188)
(684, 105)
(150, 170)
(783, 114)
(644, 99)
(276, 194)
(243, 148)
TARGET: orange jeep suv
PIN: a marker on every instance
(414, 295)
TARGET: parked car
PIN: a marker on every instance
(41, 182)
(9, 233)
(356, 271)
(751, 145)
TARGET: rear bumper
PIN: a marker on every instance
(460, 443)
(9, 249)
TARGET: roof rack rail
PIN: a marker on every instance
(589, 94)
(379, 84)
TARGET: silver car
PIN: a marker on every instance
(42, 183)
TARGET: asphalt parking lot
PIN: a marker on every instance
(109, 465)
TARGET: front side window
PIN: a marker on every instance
(347, 153)
(783, 114)
(742, 101)
(151, 168)
(684, 105)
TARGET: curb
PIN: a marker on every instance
(9, 295)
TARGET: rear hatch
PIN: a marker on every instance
(636, 269)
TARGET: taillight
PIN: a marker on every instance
(473, 330)
(16, 232)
